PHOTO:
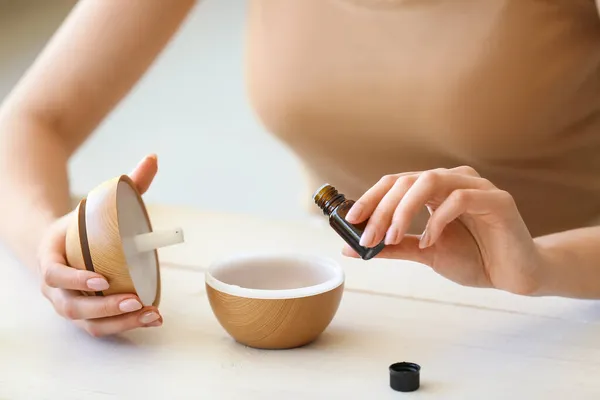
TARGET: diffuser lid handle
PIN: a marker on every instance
(155, 240)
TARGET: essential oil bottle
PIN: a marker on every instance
(336, 206)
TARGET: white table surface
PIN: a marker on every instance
(470, 343)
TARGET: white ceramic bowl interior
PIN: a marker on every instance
(274, 276)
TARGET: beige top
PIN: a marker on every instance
(364, 88)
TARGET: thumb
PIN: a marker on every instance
(408, 249)
(144, 173)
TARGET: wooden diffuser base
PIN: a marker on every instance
(275, 301)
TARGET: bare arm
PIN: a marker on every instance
(571, 264)
(91, 63)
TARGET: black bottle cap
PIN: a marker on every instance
(405, 376)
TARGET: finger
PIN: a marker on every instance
(381, 218)
(472, 201)
(430, 186)
(58, 275)
(366, 204)
(407, 250)
(52, 249)
(465, 170)
(146, 317)
(75, 307)
(144, 173)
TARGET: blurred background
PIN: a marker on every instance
(190, 109)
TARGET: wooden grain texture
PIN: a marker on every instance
(102, 239)
(274, 323)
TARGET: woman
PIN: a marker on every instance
(484, 113)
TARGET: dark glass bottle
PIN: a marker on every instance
(336, 206)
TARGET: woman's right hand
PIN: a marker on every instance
(62, 285)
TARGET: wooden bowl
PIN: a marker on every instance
(110, 233)
(276, 301)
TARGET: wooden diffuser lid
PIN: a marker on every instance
(110, 233)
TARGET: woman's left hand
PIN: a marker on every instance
(475, 235)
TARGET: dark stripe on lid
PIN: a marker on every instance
(83, 240)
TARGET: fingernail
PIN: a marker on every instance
(367, 237)
(354, 212)
(155, 323)
(390, 236)
(424, 242)
(130, 305)
(97, 284)
(149, 317)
